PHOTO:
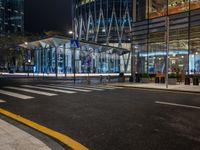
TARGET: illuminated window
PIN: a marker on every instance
(177, 6)
(157, 8)
(194, 4)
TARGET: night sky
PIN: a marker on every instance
(47, 15)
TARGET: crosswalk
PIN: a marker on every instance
(49, 90)
(2, 101)
(16, 95)
(31, 91)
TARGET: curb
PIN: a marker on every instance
(170, 90)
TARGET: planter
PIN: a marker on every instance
(172, 81)
(131, 79)
(195, 81)
(121, 79)
(157, 80)
(187, 81)
(162, 80)
(137, 79)
(145, 80)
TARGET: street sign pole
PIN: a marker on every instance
(167, 50)
(74, 65)
(74, 44)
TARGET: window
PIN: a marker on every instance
(177, 6)
(194, 4)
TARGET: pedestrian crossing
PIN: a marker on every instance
(2, 101)
(23, 91)
(31, 91)
(66, 88)
(87, 88)
(16, 95)
(49, 89)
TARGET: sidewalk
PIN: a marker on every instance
(12, 138)
(179, 87)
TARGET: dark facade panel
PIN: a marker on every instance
(11, 16)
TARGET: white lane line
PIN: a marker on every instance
(16, 95)
(81, 87)
(178, 105)
(65, 88)
(49, 89)
(2, 101)
(31, 91)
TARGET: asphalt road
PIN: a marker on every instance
(111, 119)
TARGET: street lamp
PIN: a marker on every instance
(71, 32)
(29, 63)
(74, 57)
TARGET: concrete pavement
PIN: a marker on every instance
(13, 138)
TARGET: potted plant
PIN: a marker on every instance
(172, 78)
(145, 78)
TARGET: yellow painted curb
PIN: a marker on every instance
(61, 137)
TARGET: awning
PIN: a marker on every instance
(58, 41)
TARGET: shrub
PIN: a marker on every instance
(172, 75)
(145, 75)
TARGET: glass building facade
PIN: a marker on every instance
(107, 22)
(11, 16)
(154, 20)
(104, 21)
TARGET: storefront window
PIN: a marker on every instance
(142, 58)
(157, 58)
(157, 8)
(194, 57)
(194, 4)
(178, 6)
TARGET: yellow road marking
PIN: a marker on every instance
(61, 137)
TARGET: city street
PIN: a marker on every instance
(103, 117)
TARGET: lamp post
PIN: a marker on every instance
(74, 56)
(167, 49)
(29, 63)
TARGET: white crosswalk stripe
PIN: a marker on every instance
(31, 91)
(98, 87)
(2, 101)
(82, 87)
(16, 95)
(103, 87)
(66, 88)
(49, 89)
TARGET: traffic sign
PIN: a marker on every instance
(74, 43)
